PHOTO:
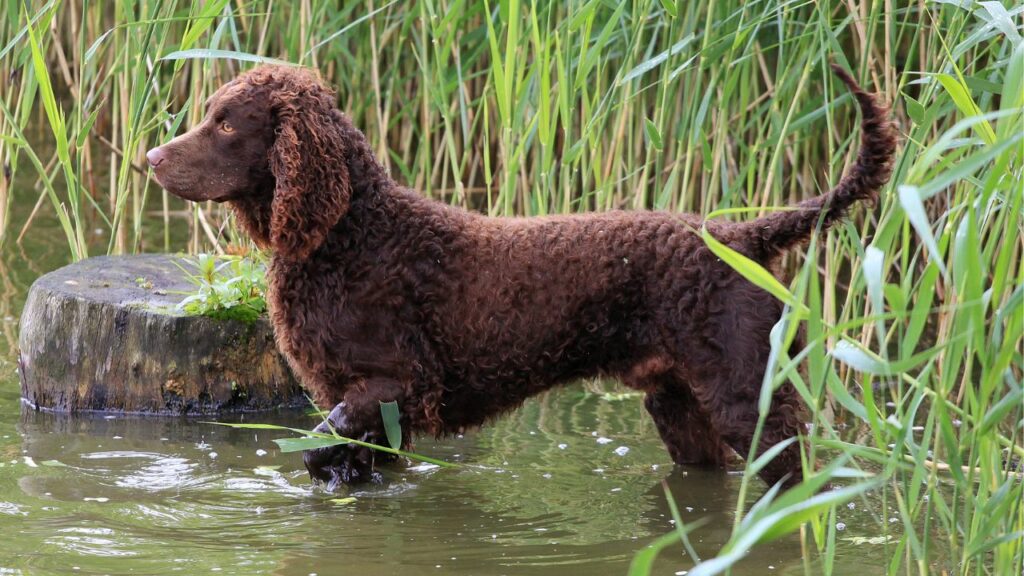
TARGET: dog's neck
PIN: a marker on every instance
(253, 216)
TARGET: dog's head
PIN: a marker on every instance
(272, 136)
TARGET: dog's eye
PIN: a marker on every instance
(226, 127)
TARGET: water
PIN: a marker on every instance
(541, 491)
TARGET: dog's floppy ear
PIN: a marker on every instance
(308, 161)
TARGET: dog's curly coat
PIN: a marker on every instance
(378, 294)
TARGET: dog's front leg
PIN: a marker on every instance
(357, 417)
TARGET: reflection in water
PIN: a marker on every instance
(571, 483)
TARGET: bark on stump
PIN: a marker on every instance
(105, 334)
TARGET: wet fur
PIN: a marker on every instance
(379, 294)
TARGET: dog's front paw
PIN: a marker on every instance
(344, 464)
(334, 466)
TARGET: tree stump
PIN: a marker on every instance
(105, 334)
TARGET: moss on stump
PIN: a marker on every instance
(105, 334)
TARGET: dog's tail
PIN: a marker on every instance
(770, 236)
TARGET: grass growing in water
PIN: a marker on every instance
(914, 312)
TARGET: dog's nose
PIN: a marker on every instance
(155, 156)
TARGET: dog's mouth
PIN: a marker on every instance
(191, 190)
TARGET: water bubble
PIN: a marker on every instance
(840, 526)
(622, 450)
(261, 452)
(603, 440)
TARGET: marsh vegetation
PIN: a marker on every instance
(913, 310)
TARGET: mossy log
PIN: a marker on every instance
(105, 334)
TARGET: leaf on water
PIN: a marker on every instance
(392, 423)
(343, 501)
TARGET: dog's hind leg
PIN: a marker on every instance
(684, 427)
(727, 383)
(736, 420)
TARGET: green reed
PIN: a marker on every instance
(913, 312)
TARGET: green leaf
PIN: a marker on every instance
(910, 199)
(209, 54)
(392, 423)
(915, 110)
(83, 133)
(922, 308)
(859, 359)
(653, 134)
(996, 414)
(302, 444)
(750, 270)
(201, 22)
(769, 455)
(653, 62)
(334, 440)
(962, 98)
(643, 561)
(349, 26)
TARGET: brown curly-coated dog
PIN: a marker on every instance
(378, 294)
